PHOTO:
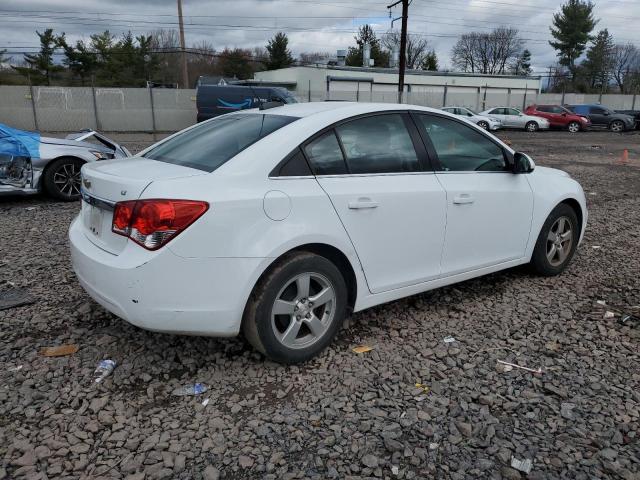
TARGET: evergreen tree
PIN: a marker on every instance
(599, 62)
(430, 61)
(367, 35)
(235, 63)
(41, 64)
(80, 60)
(522, 65)
(279, 54)
(572, 29)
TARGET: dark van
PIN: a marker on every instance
(214, 100)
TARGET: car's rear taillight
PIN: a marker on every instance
(154, 222)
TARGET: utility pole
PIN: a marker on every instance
(183, 48)
(403, 45)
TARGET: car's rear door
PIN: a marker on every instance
(489, 209)
(375, 171)
(598, 116)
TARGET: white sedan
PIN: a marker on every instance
(280, 222)
(486, 123)
(514, 118)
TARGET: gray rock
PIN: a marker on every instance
(211, 473)
(370, 461)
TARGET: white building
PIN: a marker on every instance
(435, 89)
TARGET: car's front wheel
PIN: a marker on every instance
(557, 241)
(296, 309)
(531, 126)
(617, 126)
(484, 125)
(62, 179)
(573, 127)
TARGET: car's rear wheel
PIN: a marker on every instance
(557, 241)
(296, 309)
(531, 126)
(62, 179)
(484, 125)
(573, 127)
(616, 126)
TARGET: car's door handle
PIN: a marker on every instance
(463, 198)
(362, 203)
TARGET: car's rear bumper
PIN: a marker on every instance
(167, 293)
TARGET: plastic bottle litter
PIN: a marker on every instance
(195, 389)
(104, 369)
(449, 339)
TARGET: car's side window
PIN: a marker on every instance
(460, 147)
(497, 111)
(544, 109)
(512, 111)
(378, 144)
(293, 166)
(325, 155)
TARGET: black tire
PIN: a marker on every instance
(573, 127)
(265, 331)
(484, 125)
(616, 126)
(540, 260)
(54, 179)
(532, 126)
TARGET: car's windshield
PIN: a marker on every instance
(211, 144)
(470, 111)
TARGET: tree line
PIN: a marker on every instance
(587, 62)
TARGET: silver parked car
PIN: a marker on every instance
(514, 118)
(482, 121)
(30, 163)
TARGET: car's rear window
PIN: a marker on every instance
(213, 143)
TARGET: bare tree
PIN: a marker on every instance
(167, 44)
(417, 47)
(201, 60)
(625, 66)
(307, 58)
(491, 53)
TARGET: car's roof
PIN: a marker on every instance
(338, 109)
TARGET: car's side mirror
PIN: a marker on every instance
(522, 163)
(607, 113)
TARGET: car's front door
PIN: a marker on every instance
(489, 209)
(376, 173)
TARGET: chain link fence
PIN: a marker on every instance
(66, 109)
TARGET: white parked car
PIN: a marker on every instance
(484, 122)
(514, 118)
(279, 222)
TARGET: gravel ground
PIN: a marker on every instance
(343, 415)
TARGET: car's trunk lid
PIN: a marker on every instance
(108, 182)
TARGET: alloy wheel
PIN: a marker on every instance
(532, 127)
(67, 179)
(483, 125)
(559, 241)
(617, 127)
(303, 310)
(574, 127)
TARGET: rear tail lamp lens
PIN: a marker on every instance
(153, 223)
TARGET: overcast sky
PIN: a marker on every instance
(312, 26)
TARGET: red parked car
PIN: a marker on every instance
(560, 117)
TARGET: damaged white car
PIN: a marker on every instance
(30, 163)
